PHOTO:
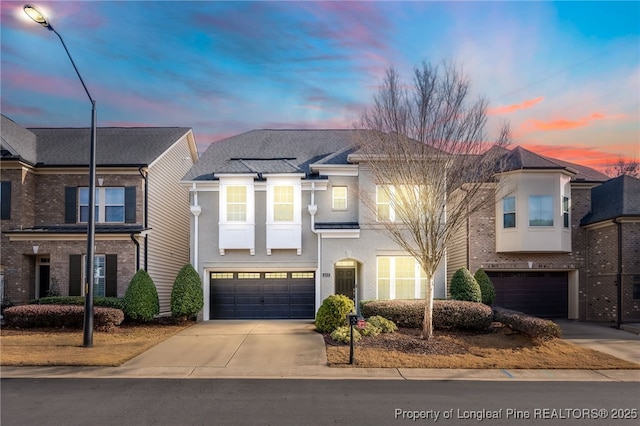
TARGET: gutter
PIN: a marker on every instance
(619, 276)
(145, 223)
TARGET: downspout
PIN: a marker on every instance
(313, 209)
(133, 238)
(619, 275)
(145, 223)
(195, 210)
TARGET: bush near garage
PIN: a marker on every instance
(104, 302)
(141, 302)
(187, 298)
(534, 327)
(487, 290)
(60, 316)
(464, 286)
(333, 313)
(447, 314)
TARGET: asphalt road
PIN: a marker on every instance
(315, 402)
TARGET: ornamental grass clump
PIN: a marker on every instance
(141, 302)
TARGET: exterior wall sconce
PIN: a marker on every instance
(530, 264)
(35, 249)
(100, 181)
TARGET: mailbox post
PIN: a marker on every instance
(353, 321)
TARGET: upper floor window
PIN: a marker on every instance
(236, 203)
(509, 212)
(283, 203)
(565, 211)
(110, 205)
(392, 200)
(339, 198)
(540, 210)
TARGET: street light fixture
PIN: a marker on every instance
(87, 341)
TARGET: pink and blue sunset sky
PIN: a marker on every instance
(565, 74)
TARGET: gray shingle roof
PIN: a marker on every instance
(521, 158)
(70, 146)
(615, 198)
(17, 141)
(265, 150)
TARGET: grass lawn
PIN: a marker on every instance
(47, 347)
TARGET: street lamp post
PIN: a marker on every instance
(87, 340)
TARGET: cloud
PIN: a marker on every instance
(515, 107)
(565, 124)
(579, 154)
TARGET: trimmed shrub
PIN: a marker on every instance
(333, 312)
(464, 286)
(382, 323)
(487, 291)
(186, 295)
(342, 334)
(369, 329)
(61, 316)
(141, 301)
(447, 314)
(104, 302)
(534, 327)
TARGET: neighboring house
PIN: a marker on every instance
(550, 242)
(278, 225)
(142, 219)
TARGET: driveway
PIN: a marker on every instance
(239, 345)
(603, 337)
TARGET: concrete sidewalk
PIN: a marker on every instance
(292, 349)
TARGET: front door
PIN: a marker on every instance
(43, 280)
(346, 282)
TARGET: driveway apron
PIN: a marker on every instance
(239, 344)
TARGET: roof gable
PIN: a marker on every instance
(16, 141)
(615, 198)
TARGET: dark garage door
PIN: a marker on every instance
(253, 295)
(542, 294)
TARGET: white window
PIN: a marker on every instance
(565, 211)
(400, 278)
(392, 201)
(283, 203)
(236, 203)
(339, 198)
(509, 212)
(99, 274)
(109, 205)
(540, 210)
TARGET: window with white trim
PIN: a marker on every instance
(392, 199)
(565, 211)
(339, 198)
(110, 205)
(236, 203)
(283, 203)
(400, 277)
(540, 210)
(509, 212)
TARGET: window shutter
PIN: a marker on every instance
(111, 275)
(130, 204)
(70, 204)
(5, 202)
(75, 275)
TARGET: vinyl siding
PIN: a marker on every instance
(169, 219)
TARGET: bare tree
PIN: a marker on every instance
(630, 167)
(428, 155)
